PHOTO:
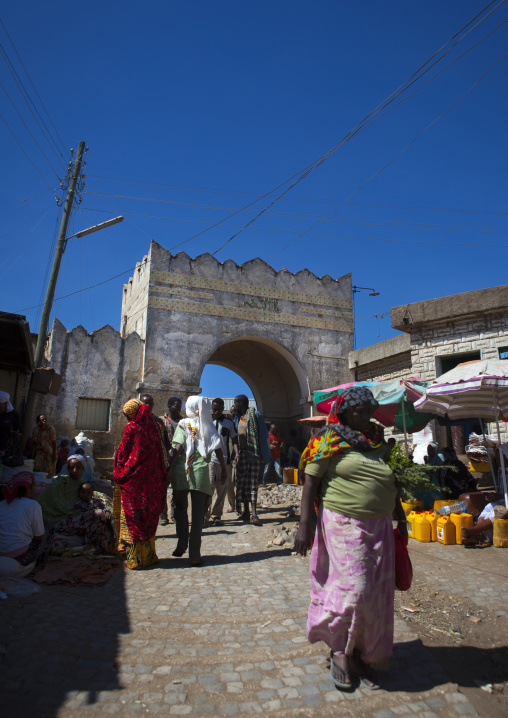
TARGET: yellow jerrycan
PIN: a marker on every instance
(421, 529)
(446, 533)
(411, 505)
(411, 523)
(500, 533)
(461, 521)
(432, 519)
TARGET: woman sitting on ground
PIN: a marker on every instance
(352, 563)
(22, 533)
(194, 441)
(58, 503)
(93, 521)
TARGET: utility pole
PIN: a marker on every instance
(60, 249)
(50, 293)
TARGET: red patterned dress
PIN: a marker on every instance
(140, 477)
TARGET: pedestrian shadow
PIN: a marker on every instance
(415, 668)
(248, 557)
(61, 644)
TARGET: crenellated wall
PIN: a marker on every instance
(101, 365)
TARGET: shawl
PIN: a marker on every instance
(58, 500)
(251, 432)
(22, 478)
(141, 475)
(200, 431)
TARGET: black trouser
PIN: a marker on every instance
(192, 540)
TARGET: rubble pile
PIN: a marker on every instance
(273, 495)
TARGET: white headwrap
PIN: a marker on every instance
(82, 459)
(199, 429)
(5, 398)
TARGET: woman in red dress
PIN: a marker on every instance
(140, 476)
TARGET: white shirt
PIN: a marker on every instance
(20, 521)
(226, 430)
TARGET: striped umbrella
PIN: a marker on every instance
(478, 389)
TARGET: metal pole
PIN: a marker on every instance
(404, 425)
(501, 456)
(482, 424)
(60, 249)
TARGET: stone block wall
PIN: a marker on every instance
(386, 369)
(101, 365)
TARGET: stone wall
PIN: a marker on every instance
(101, 365)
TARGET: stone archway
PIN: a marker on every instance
(277, 380)
(286, 334)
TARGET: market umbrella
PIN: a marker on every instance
(324, 398)
(477, 388)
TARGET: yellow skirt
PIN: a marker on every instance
(139, 555)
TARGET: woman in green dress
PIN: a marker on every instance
(194, 441)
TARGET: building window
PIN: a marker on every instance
(93, 414)
(503, 352)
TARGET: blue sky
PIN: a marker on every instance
(196, 108)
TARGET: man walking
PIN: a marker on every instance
(275, 443)
(170, 418)
(227, 431)
(254, 450)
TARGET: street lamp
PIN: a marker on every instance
(50, 292)
(372, 293)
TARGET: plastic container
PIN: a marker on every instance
(411, 505)
(439, 504)
(500, 533)
(481, 467)
(461, 521)
(421, 528)
(410, 523)
(458, 507)
(432, 518)
(446, 533)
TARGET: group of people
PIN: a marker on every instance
(195, 455)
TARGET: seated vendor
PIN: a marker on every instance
(87, 474)
(69, 505)
(482, 534)
(22, 533)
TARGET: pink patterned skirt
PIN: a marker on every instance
(352, 576)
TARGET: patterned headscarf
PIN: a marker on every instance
(131, 408)
(10, 489)
(337, 438)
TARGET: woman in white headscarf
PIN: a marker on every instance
(194, 440)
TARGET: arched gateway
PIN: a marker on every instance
(285, 334)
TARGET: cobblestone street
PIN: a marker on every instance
(227, 638)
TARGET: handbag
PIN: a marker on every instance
(13, 456)
(403, 566)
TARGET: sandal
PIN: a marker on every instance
(217, 522)
(364, 673)
(255, 521)
(197, 564)
(341, 684)
(178, 552)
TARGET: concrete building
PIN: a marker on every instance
(437, 335)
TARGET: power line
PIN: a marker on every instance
(302, 215)
(28, 129)
(369, 119)
(403, 149)
(35, 89)
(28, 158)
(317, 200)
(28, 101)
(401, 225)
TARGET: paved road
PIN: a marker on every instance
(227, 639)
